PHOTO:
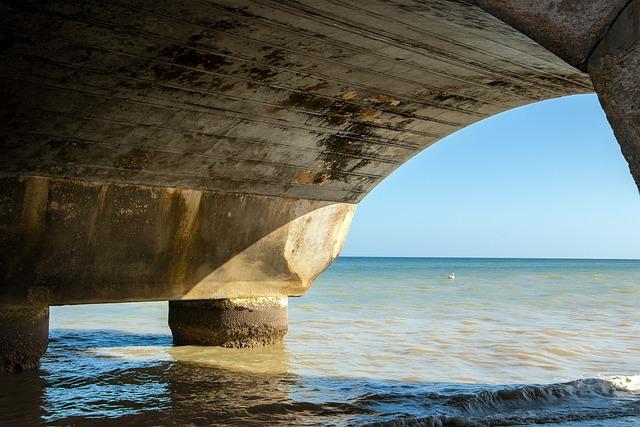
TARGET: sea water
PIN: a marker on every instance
(382, 341)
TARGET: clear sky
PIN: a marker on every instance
(544, 180)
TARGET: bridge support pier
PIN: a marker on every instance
(614, 68)
(24, 337)
(232, 322)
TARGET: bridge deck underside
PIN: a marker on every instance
(303, 99)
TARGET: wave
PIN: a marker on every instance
(529, 396)
(579, 400)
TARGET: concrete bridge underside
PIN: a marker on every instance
(212, 152)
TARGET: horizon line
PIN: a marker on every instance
(489, 257)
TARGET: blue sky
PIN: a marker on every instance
(544, 180)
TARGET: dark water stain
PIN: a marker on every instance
(320, 85)
(261, 73)
(539, 85)
(137, 86)
(8, 40)
(187, 58)
(244, 11)
(192, 58)
(453, 100)
(278, 58)
(221, 25)
(59, 149)
(341, 149)
(197, 38)
(338, 152)
(307, 100)
(226, 86)
(225, 24)
(275, 57)
(135, 159)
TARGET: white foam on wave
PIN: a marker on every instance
(629, 383)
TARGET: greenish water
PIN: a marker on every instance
(375, 340)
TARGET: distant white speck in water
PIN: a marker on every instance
(452, 276)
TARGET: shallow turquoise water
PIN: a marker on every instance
(374, 340)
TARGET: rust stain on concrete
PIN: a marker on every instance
(309, 177)
(96, 217)
(186, 207)
(34, 205)
(350, 95)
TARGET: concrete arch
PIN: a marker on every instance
(303, 99)
(133, 131)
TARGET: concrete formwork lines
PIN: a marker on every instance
(422, 48)
(221, 176)
(391, 60)
(106, 91)
(229, 32)
(69, 147)
(462, 19)
(265, 65)
(222, 137)
(329, 60)
(404, 62)
(570, 29)
(227, 184)
(400, 114)
(367, 7)
(157, 83)
(456, 79)
(47, 138)
(271, 105)
(316, 131)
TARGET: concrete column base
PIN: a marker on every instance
(24, 337)
(233, 322)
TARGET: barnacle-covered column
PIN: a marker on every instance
(231, 322)
(24, 337)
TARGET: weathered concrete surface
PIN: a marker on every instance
(69, 242)
(615, 70)
(307, 99)
(24, 337)
(236, 322)
(569, 28)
